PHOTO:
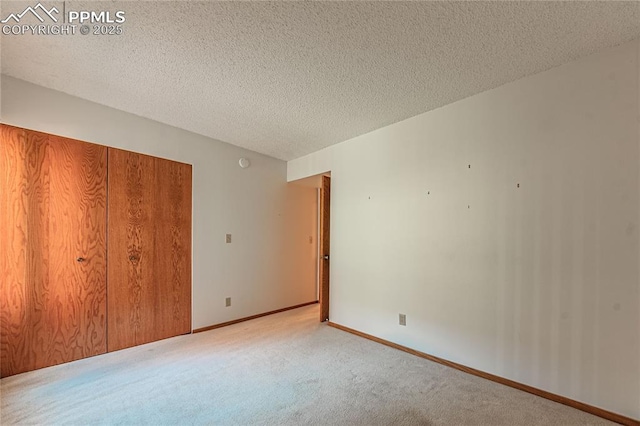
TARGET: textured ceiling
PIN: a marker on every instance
(286, 79)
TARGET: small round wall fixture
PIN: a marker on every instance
(244, 162)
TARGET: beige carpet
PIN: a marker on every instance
(282, 369)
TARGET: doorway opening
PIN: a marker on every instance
(322, 185)
(324, 243)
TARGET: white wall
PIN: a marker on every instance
(269, 264)
(538, 284)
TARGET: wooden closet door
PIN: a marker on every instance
(149, 249)
(52, 250)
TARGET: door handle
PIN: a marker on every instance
(325, 257)
(133, 258)
(80, 259)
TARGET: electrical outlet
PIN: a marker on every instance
(227, 302)
(228, 238)
(403, 319)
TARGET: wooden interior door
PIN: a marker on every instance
(52, 250)
(325, 208)
(149, 249)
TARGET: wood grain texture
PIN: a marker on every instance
(325, 222)
(149, 249)
(614, 417)
(53, 197)
(264, 314)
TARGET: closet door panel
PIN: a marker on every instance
(172, 249)
(53, 198)
(24, 222)
(130, 268)
(149, 288)
(77, 248)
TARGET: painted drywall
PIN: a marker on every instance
(269, 264)
(505, 226)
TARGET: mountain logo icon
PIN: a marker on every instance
(34, 11)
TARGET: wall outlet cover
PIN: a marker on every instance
(403, 319)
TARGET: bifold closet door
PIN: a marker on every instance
(149, 249)
(52, 250)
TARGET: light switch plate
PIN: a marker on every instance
(227, 302)
(403, 319)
